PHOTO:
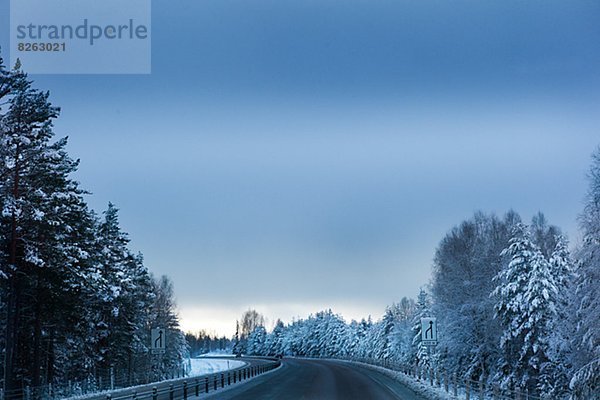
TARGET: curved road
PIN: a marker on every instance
(299, 379)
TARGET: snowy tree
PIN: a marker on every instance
(466, 261)
(561, 268)
(237, 346)
(75, 300)
(257, 340)
(585, 356)
(401, 337)
(275, 341)
(421, 353)
(164, 315)
(45, 227)
(526, 307)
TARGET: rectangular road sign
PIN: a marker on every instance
(429, 331)
(158, 340)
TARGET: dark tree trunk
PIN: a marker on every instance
(37, 337)
(12, 311)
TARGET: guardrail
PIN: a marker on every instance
(182, 389)
(451, 383)
(174, 389)
(102, 381)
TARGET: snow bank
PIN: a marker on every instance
(203, 366)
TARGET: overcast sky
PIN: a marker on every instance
(296, 156)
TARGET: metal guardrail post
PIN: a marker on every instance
(185, 390)
(234, 376)
(108, 397)
(134, 396)
(228, 378)
(154, 393)
(197, 387)
(171, 392)
(215, 382)
(222, 380)
(206, 384)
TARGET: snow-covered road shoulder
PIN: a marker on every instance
(419, 387)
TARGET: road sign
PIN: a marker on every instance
(429, 331)
(158, 340)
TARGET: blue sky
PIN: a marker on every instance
(294, 156)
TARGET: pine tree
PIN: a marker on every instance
(237, 349)
(164, 315)
(561, 267)
(44, 226)
(420, 352)
(585, 355)
(510, 306)
(256, 341)
(526, 307)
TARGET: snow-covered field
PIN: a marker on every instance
(220, 354)
(202, 366)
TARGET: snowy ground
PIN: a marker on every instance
(202, 366)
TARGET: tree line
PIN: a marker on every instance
(203, 342)
(514, 308)
(75, 302)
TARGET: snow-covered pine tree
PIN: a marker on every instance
(510, 306)
(466, 261)
(274, 343)
(420, 353)
(401, 338)
(237, 348)
(382, 343)
(585, 357)
(257, 340)
(526, 299)
(541, 299)
(561, 268)
(44, 226)
(164, 315)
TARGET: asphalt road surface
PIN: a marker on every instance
(301, 379)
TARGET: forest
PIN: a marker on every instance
(516, 305)
(515, 308)
(76, 303)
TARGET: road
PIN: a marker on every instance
(302, 379)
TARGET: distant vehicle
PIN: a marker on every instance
(238, 355)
